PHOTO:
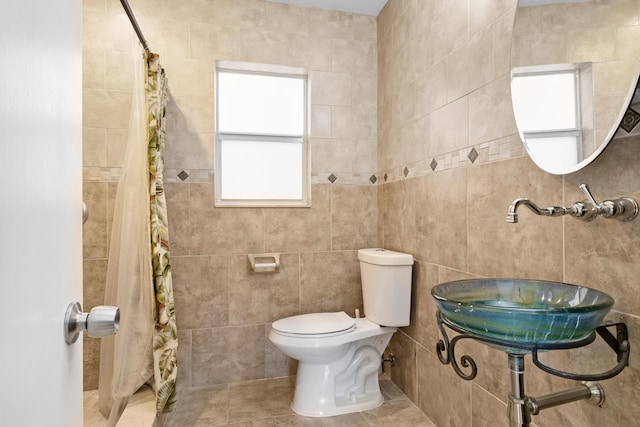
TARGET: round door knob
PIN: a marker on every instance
(101, 321)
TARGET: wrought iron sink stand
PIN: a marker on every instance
(521, 406)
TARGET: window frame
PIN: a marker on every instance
(303, 139)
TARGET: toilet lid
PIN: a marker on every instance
(315, 324)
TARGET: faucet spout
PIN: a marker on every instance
(512, 214)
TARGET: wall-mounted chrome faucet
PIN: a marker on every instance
(623, 209)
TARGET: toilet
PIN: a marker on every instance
(339, 357)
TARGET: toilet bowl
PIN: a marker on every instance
(339, 357)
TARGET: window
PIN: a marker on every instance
(551, 105)
(261, 136)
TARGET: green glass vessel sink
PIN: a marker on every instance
(523, 312)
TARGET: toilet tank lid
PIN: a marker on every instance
(314, 323)
(380, 256)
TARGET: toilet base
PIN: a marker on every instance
(343, 406)
(349, 385)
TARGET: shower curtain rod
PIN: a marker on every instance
(136, 27)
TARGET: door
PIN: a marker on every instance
(40, 211)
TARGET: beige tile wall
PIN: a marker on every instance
(223, 312)
(443, 91)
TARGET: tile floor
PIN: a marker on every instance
(262, 403)
(139, 413)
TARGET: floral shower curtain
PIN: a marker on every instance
(139, 272)
(165, 337)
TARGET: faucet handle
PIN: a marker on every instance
(585, 190)
(623, 209)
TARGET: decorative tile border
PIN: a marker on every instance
(629, 125)
(486, 152)
(188, 175)
(339, 178)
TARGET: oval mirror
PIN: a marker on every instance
(574, 69)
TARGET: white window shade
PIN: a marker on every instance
(260, 104)
(561, 151)
(545, 102)
(276, 170)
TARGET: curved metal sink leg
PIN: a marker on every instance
(445, 350)
(619, 344)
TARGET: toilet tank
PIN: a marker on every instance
(386, 286)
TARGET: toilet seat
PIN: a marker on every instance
(315, 325)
